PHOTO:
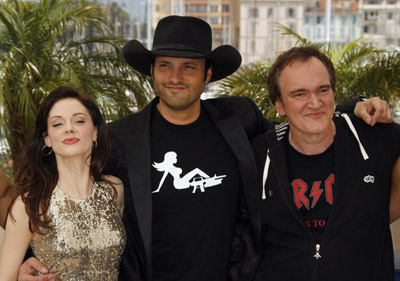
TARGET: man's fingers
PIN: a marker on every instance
(33, 264)
(47, 277)
(366, 117)
(30, 267)
(378, 110)
(381, 113)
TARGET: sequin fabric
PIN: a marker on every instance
(86, 239)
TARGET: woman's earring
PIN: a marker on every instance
(44, 153)
(94, 145)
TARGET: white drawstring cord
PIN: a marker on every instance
(265, 175)
(350, 124)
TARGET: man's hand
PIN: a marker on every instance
(30, 267)
(373, 110)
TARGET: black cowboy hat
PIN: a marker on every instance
(183, 37)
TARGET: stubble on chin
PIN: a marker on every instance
(177, 104)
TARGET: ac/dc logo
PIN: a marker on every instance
(302, 198)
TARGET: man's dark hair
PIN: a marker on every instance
(291, 56)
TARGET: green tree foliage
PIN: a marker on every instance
(361, 70)
(48, 43)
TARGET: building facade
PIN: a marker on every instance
(259, 38)
(222, 15)
(344, 21)
(380, 22)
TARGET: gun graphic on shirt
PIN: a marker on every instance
(201, 183)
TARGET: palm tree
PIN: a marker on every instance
(48, 43)
(361, 70)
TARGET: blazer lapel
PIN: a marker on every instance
(138, 156)
(233, 132)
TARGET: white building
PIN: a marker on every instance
(259, 38)
(380, 22)
(344, 21)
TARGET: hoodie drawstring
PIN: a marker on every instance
(265, 175)
(353, 130)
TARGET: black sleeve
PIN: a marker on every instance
(349, 106)
(29, 254)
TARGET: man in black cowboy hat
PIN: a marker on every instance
(194, 164)
(187, 166)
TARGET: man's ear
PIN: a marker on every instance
(208, 74)
(280, 108)
(152, 70)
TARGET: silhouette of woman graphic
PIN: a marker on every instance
(168, 167)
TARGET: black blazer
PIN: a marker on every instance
(238, 119)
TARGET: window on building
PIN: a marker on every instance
(355, 19)
(253, 13)
(373, 15)
(225, 20)
(157, 7)
(225, 8)
(214, 20)
(192, 8)
(292, 27)
(164, 8)
(253, 46)
(306, 19)
(392, 1)
(319, 20)
(318, 35)
(390, 16)
(390, 31)
(352, 33)
(270, 12)
(213, 8)
(252, 29)
(343, 19)
(372, 2)
(290, 13)
(202, 8)
(307, 33)
(366, 29)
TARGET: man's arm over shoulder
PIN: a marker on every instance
(372, 111)
(249, 114)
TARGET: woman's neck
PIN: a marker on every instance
(74, 177)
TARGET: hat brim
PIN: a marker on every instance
(225, 59)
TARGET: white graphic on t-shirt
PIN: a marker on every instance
(195, 178)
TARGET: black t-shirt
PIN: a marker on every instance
(196, 188)
(312, 182)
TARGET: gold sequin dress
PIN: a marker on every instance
(87, 236)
